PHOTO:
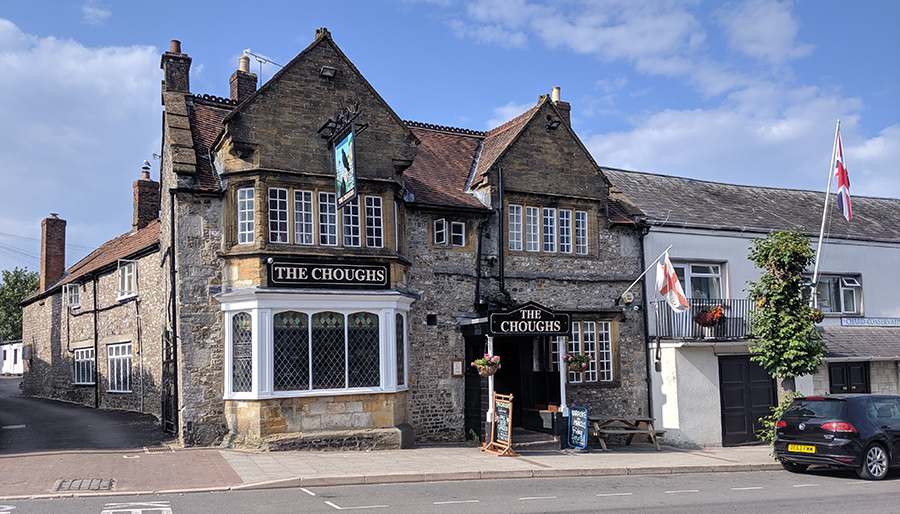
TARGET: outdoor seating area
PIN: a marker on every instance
(605, 426)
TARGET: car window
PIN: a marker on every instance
(884, 409)
(802, 408)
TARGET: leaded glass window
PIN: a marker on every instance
(241, 353)
(401, 351)
(291, 351)
(363, 360)
(328, 351)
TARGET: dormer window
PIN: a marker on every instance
(72, 295)
(127, 279)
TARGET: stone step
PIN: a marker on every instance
(527, 440)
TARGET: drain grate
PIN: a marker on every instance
(84, 484)
(160, 448)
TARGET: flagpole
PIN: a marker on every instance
(646, 270)
(815, 276)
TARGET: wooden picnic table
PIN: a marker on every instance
(607, 425)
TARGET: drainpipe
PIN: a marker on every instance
(96, 350)
(173, 309)
(644, 229)
(478, 265)
(501, 251)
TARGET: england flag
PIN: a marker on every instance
(843, 194)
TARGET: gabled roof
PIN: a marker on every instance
(498, 140)
(126, 246)
(442, 165)
(684, 202)
(878, 343)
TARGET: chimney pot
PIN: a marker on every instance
(242, 83)
(554, 94)
(175, 46)
(244, 64)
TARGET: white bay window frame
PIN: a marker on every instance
(263, 307)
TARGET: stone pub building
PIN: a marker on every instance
(322, 272)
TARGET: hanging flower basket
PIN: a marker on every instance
(487, 371)
(816, 315)
(577, 362)
(487, 365)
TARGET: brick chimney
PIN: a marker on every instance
(53, 250)
(146, 199)
(243, 83)
(176, 67)
(563, 107)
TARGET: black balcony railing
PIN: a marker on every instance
(681, 326)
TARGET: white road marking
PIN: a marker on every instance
(684, 491)
(307, 491)
(806, 485)
(745, 488)
(12, 427)
(538, 498)
(137, 508)
(456, 501)
(355, 508)
(615, 494)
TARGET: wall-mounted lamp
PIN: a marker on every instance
(327, 71)
(552, 124)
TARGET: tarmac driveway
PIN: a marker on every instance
(38, 425)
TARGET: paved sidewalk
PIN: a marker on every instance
(39, 475)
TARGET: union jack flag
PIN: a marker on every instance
(843, 194)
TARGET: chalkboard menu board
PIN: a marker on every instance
(501, 427)
(578, 420)
(503, 411)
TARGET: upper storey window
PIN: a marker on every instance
(306, 217)
(245, 213)
(547, 230)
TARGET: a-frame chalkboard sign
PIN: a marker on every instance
(501, 427)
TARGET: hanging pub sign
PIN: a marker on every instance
(290, 273)
(345, 168)
(530, 319)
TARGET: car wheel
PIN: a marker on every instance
(793, 467)
(875, 463)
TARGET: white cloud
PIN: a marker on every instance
(78, 122)
(93, 13)
(506, 113)
(764, 30)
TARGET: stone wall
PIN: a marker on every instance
(57, 331)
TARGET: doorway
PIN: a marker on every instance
(747, 393)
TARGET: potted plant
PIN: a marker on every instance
(709, 318)
(487, 365)
(816, 315)
(577, 362)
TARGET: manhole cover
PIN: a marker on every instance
(85, 484)
(160, 448)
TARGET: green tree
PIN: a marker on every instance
(788, 344)
(15, 287)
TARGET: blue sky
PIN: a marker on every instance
(744, 92)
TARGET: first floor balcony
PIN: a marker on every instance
(671, 325)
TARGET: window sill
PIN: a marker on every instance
(83, 383)
(304, 393)
(118, 392)
(124, 297)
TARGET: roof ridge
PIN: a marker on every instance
(443, 128)
(511, 122)
(215, 100)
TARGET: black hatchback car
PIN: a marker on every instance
(861, 432)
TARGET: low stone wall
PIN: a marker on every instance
(320, 422)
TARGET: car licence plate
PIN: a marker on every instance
(801, 448)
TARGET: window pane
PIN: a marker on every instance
(532, 229)
(363, 361)
(589, 348)
(574, 349)
(705, 288)
(458, 234)
(515, 227)
(241, 353)
(351, 223)
(119, 364)
(549, 229)
(328, 351)
(327, 220)
(850, 301)
(604, 358)
(565, 231)
(291, 351)
(303, 218)
(278, 215)
(401, 351)
(373, 222)
(828, 292)
(705, 268)
(440, 232)
(245, 215)
(581, 233)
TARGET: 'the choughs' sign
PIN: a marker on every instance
(306, 274)
(530, 319)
